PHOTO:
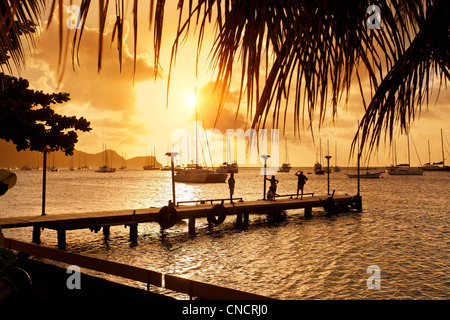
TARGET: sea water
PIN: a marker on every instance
(403, 232)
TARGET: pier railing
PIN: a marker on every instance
(171, 282)
(203, 201)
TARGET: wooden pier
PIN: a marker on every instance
(215, 210)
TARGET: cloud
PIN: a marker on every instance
(229, 117)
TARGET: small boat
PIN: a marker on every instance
(318, 168)
(228, 168)
(286, 167)
(404, 169)
(367, 175)
(105, 168)
(53, 168)
(197, 174)
(166, 168)
(436, 166)
(25, 168)
(150, 166)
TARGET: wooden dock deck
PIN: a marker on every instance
(167, 216)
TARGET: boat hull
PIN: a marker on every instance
(375, 175)
(199, 175)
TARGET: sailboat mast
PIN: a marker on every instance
(320, 151)
(285, 146)
(196, 160)
(429, 153)
(442, 146)
(409, 157)
(335, 154)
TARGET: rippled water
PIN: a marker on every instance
(403, 229)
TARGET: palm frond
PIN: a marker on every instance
(298, 54)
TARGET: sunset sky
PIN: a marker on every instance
(132, 118)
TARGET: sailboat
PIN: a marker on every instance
(151, 166)
(71, 168)
(230, 166)
(318, 165)
(53, 168)
(105, 168)
(367, 174)
(436, 166)
(85, 167)
(194, 173)
(286, 167)
(404, 169)
(336, 167)
(123, 167)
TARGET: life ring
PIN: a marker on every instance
(329, 205)
(217, 214)
(167, 217)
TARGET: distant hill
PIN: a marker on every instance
(11, 158)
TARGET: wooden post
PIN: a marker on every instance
(191, 226)
(238, 219)
(106, 231)
(308, 212)
(61, 239)
(36, 235)
(246, 216)
(133, 231)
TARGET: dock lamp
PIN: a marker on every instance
(265, 157)
(172, 155)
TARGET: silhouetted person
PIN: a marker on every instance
(272, 189)
(231, 183)
(301, 182)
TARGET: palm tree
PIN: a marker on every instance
(310, 52)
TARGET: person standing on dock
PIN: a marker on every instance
(301, 182)
(273, 188)
(231, 183)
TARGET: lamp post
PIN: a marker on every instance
(44, 178)
(172, 155)
(328, 157)
(265, 157)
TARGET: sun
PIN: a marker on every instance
(191, 100)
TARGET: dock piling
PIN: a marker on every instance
(61, 239)
(191, 226)
(239, 219)
(106, 231)
(308, 212)
(36, 235)
(133, 232)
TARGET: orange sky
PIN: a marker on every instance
(132, 118)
